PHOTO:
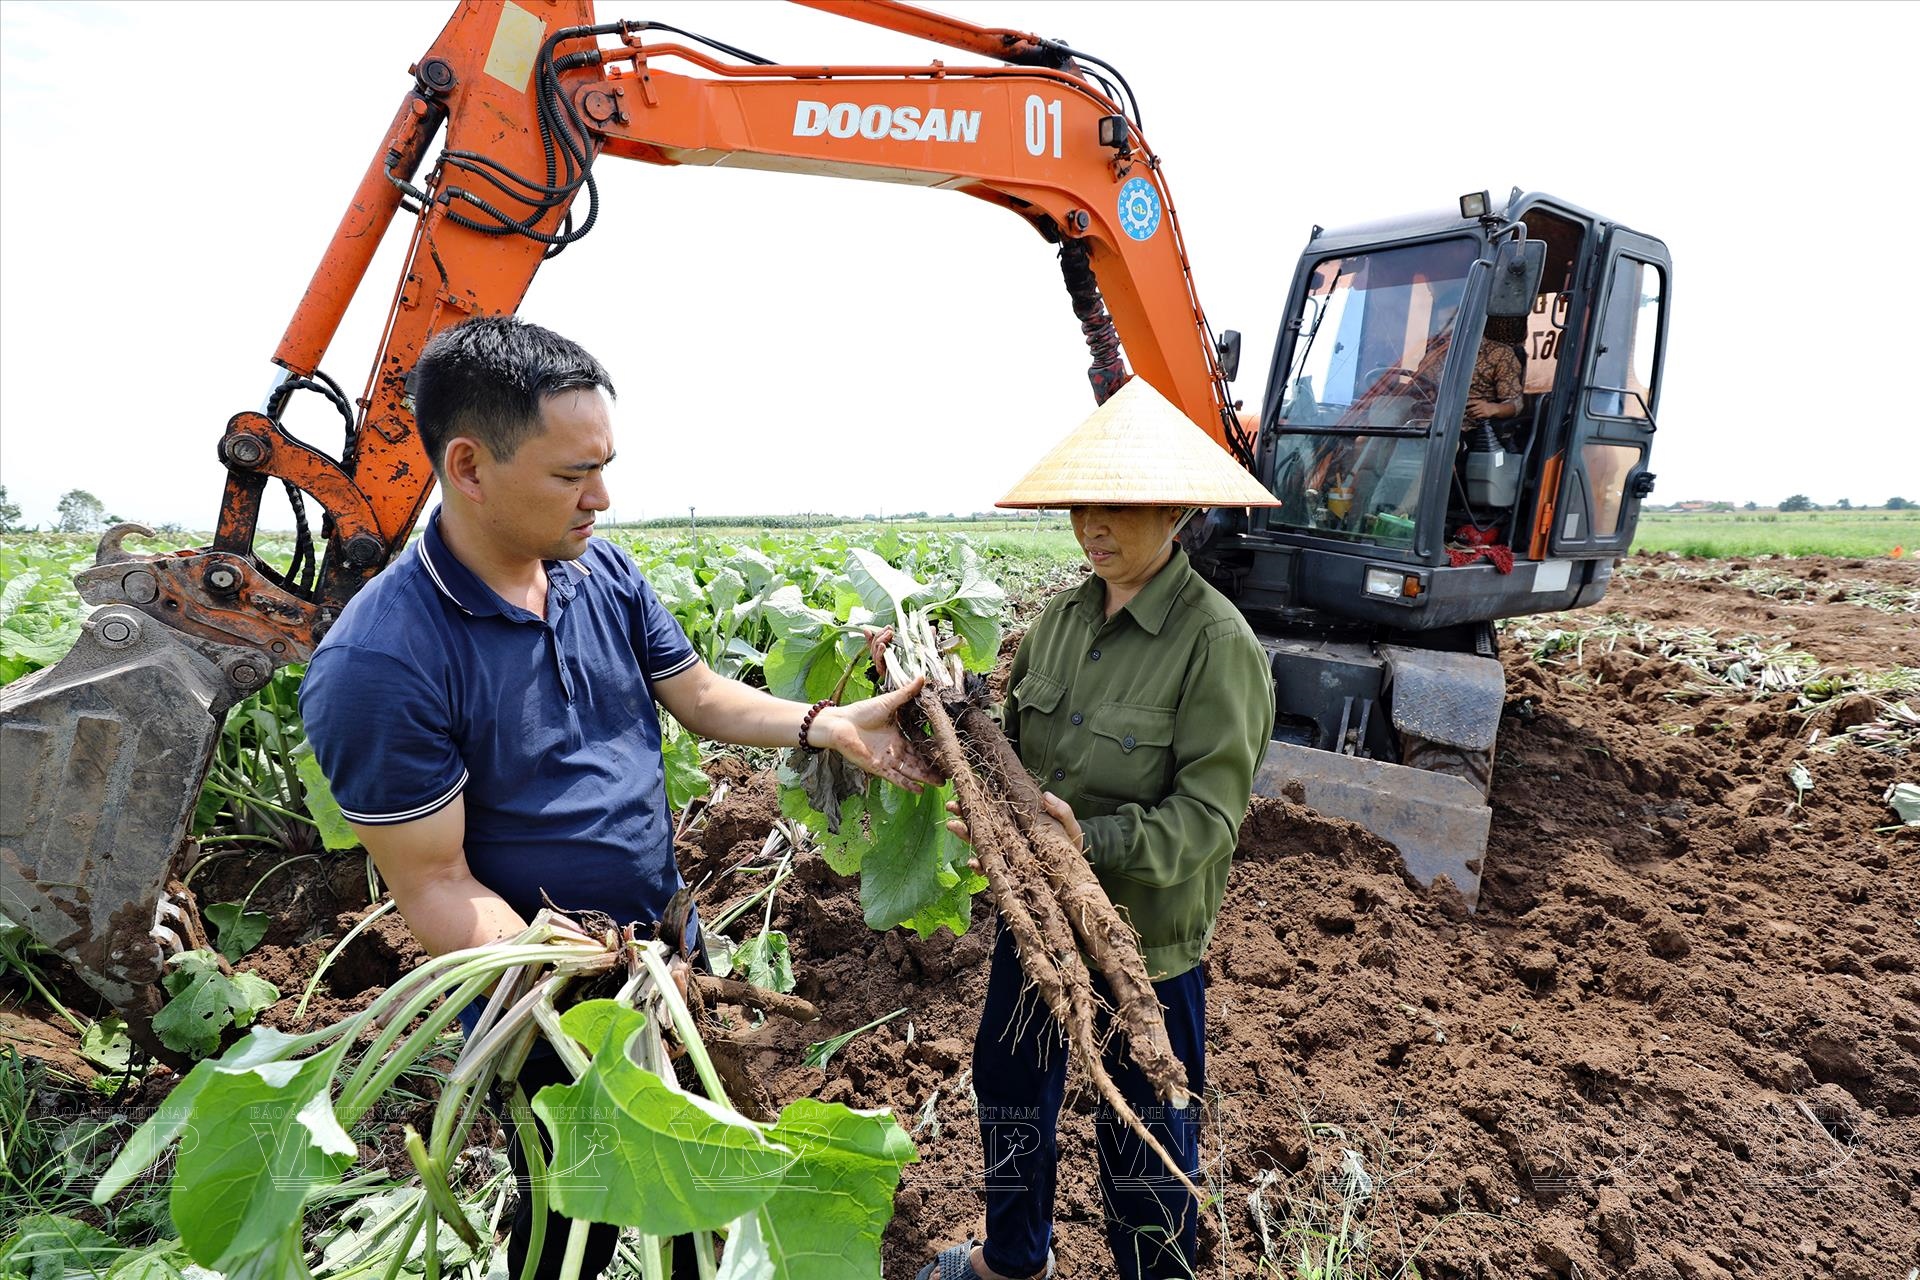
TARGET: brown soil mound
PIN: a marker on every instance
(1680, 1038)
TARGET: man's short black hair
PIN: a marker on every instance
(486, 377)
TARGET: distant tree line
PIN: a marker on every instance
(78, 512)
(1797, 502)
(1801, 502)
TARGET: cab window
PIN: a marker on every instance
(1373, 337)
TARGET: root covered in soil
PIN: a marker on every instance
(1047, 895)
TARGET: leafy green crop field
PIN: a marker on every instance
(1717, 534)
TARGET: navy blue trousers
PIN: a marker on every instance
(1019, 1079)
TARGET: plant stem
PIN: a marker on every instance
(313, 983)
(650, 1268)
(419, 1216)
(433, 1181)
(471, 971)
(527, 1133)
(576, 1250)
(32, 976)
(428, 982)
(746, 904)
(683, 1023)
(234, 793)
(270, 870)
(575, 1058)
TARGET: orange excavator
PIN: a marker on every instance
(103, 754)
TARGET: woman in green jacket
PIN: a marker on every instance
(1142, 702)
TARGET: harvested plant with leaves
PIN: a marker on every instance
(262, 1130)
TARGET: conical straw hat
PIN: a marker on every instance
(1138, 450)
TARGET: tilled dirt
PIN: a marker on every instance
(1681, 1037)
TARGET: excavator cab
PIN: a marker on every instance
(1407, 526)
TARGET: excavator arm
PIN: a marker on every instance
(102, 756)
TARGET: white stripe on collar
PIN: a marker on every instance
(434, 573)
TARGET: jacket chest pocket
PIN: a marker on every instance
(1132, 756)
(1036, 698)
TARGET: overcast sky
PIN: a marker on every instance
(170, 173)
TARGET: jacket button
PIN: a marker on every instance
(1126, 743)
(1095, 655)
(1077, 717)
(1059, 774)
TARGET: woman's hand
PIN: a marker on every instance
(1059, 817)
(958, 826)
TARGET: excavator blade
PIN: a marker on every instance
(1438, 822)
(101, 760)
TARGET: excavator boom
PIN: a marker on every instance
(102, 755)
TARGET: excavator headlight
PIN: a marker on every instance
(1393, 584)
(1113, 132)
(1475, 204)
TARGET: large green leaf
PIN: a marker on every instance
(265, 1138)
(905, 869)
(677, 587)
(680, 751)
(236, 930)
(788, 613)
(107, 1045)
(46, 1246)
(725, 589)
(205, 1002)
(842, 845)
(765, 961)
(152, 1138)
(335, 832)
(282, 1258)
(975, 612)
(952, 909)
(15, 592)
(825, 1221)
(156, 1262)
(631, 1149)
(755, 567)
(882, 588)
(804, 669)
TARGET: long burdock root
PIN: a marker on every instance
(1036, 915)
(1102, 933)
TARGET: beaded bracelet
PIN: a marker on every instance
(806, 722)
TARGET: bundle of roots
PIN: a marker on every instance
(1044, 888)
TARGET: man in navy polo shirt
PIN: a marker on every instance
(484, 708)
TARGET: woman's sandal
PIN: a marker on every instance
(956, 1263)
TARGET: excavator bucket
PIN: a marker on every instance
(101, 760)
(1438, 822)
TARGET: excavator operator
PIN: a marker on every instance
(484, 707)
(1499, 378)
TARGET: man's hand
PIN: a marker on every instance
(867, 733)
(1479, 408)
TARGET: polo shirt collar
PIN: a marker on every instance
(468, 593)
(1152, 606)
